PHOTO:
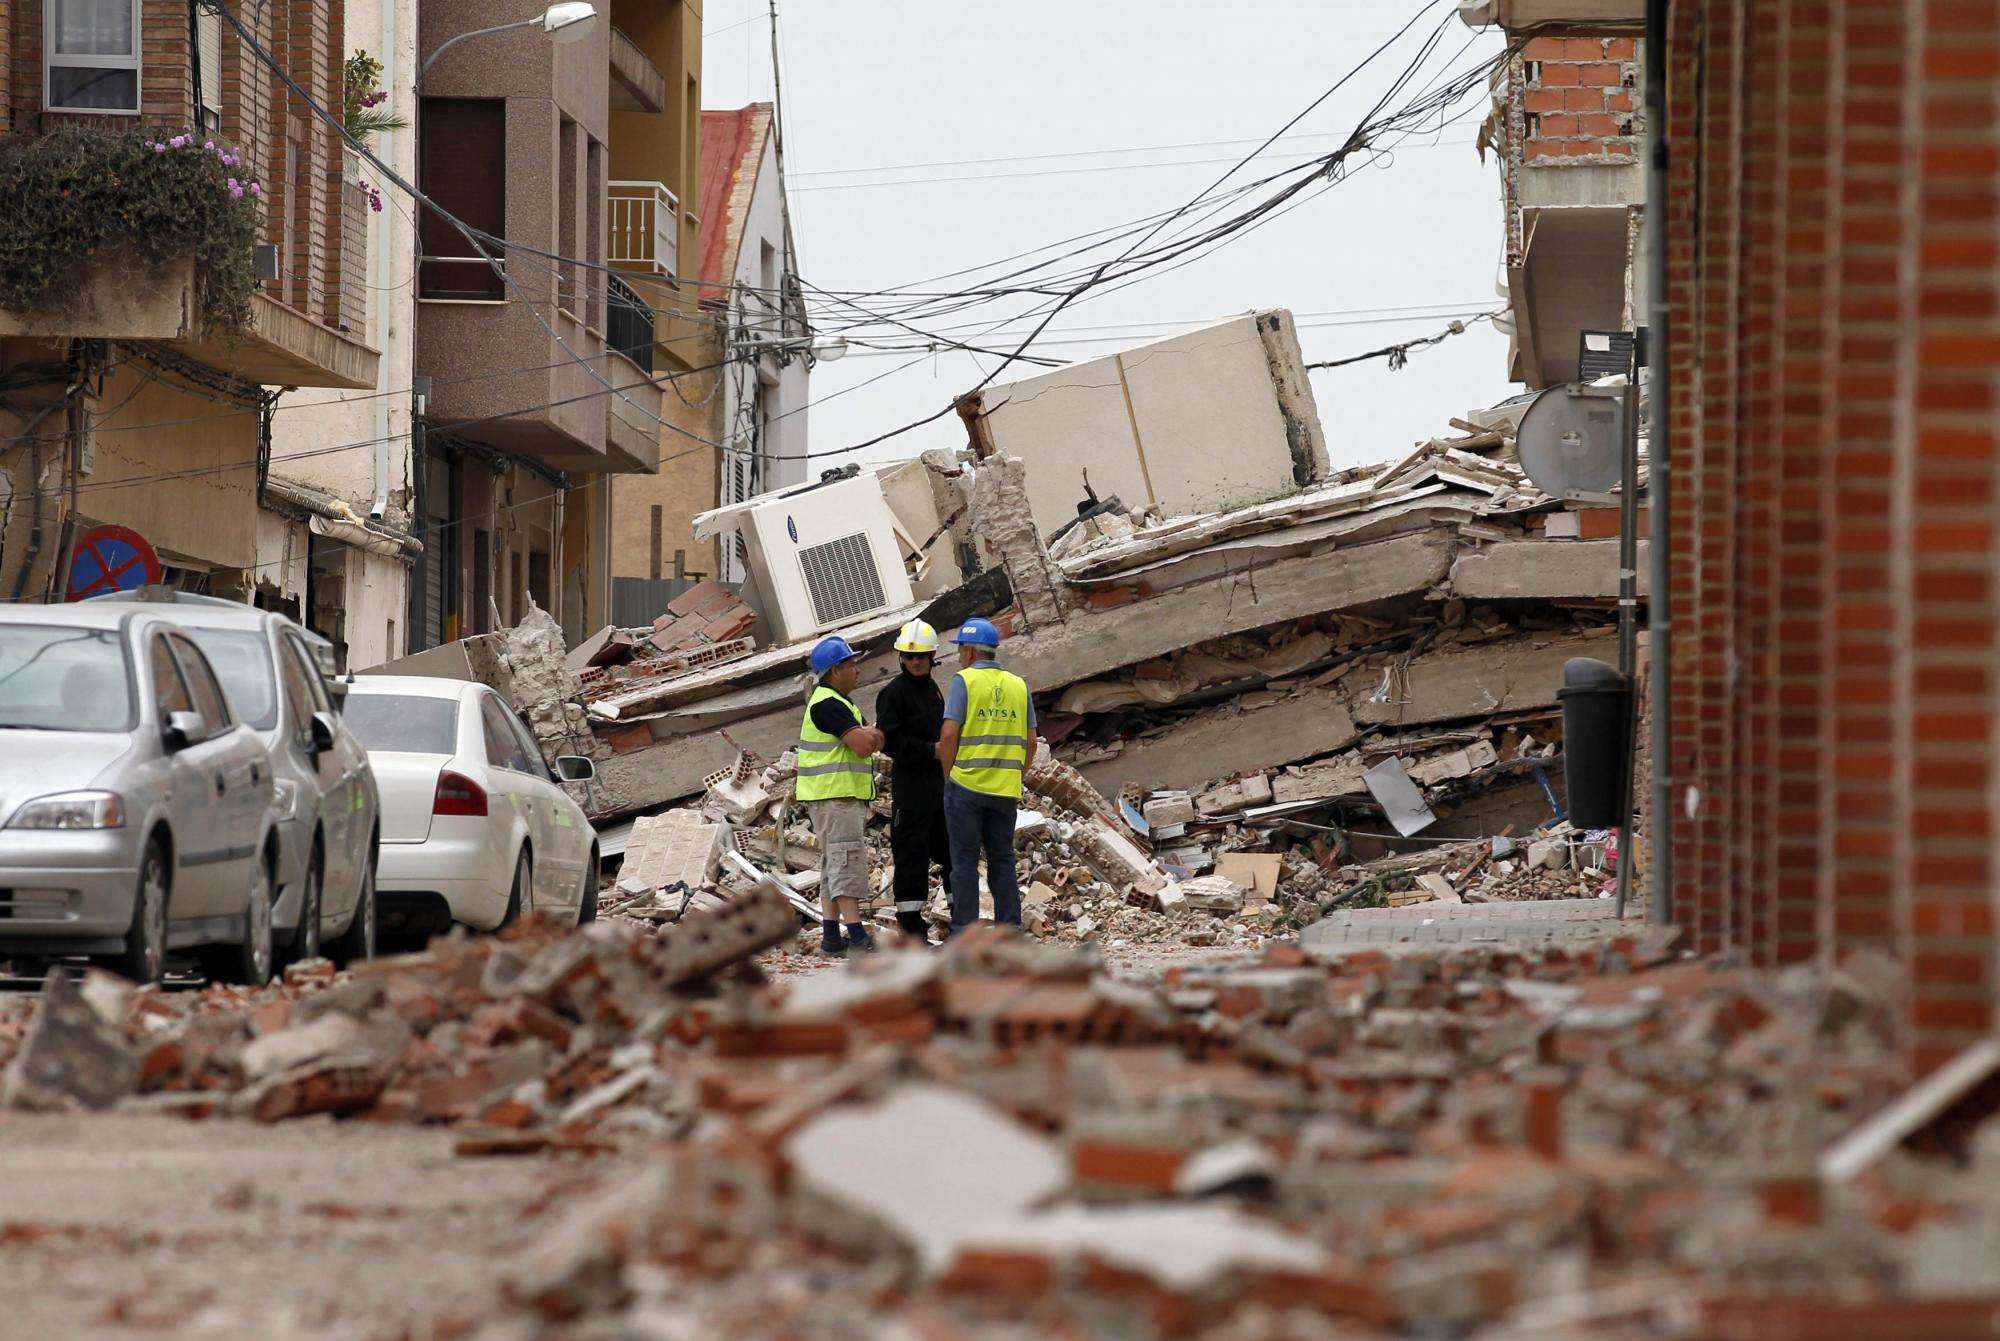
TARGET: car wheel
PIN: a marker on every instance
(250, 963)
(144, 959)
(586, 908)
(520, 899)
(358, 941)
(306, 940)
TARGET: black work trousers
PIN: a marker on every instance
(917, 839)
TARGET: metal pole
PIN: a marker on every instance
(1628, 608)
(1658, 640)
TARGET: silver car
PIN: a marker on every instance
(138, 815)
(329, 814)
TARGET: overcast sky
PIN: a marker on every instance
(885, 100)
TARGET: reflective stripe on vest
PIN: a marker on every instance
(828, 770)
(993, 740)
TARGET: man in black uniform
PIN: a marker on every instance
(910, 711)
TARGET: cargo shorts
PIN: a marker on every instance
(841, 827)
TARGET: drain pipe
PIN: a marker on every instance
(384, 459)
(1659, 442)
(35, 492)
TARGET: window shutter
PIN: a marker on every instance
(208, 34)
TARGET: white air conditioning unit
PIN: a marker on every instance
(822, 556)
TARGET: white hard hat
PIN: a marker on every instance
(917, 638)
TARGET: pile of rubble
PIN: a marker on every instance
(703, 626)
(999, 1140)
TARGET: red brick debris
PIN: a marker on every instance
(997, 1139)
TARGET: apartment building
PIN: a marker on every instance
(756, 402)
(545, 371)
(1567, 129)
(195, 244)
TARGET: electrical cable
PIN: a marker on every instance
(1399, 354)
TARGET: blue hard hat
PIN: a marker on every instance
(830, 652)
(978, 632)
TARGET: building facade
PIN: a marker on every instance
(756, 400)
(541, 368)
(1831, 444)
(1566, 131)
(336, 543)
(215, 252)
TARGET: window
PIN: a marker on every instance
(531, 750)
(298, 690)
(503, 747)
(314, 669)
(63, 679)
(403, 723)
(208, 58)
(93, 55)
(169, 690)
(242, 660)
(465, 172)
(202, 685)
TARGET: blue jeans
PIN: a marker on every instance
(976, 822)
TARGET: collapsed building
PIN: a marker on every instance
(1250, 647)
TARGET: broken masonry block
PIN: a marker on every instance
(71, 1057)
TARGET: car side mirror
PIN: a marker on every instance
(322, 731)
(185, 729)
(575, 768)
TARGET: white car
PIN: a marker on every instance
(475, 827)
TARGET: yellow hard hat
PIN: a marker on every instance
(916, 639)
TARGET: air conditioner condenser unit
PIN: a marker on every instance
(822, 556)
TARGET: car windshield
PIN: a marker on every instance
(242, 661)
(403, 723)
(59, 679)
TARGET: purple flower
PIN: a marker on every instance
(256, 190)
(159, 148)
(179, 141)
(209, 145)
(375, 203)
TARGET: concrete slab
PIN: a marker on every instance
(1432, 926)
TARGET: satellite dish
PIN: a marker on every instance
(1570, 441)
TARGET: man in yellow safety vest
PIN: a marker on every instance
(985, 746)
(836, 782)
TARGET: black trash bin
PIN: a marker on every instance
(1597, 741)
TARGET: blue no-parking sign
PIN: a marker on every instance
(108, 559)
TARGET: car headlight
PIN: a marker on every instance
(288, 797)
(71, 810)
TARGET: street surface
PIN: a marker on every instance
(116, 1225)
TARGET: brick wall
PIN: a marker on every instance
(1833, 236)
(1581, 99)
(297, 156)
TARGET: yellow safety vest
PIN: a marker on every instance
(828, 770)
(993, 740)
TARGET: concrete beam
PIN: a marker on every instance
(1549, 570)
(1212, 746)
(1476, 682)
(1260, 591)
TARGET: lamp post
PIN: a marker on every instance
(570, 21)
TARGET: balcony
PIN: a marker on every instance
(636, 83)
(1565, 16)
(628, 324)
(645, 225)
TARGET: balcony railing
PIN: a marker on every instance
(645, 227)
(628, 323)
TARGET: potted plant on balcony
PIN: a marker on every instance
(366, 116)
(126, 234)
